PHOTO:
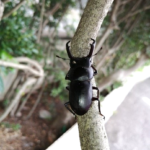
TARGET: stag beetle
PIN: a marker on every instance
(81, 90)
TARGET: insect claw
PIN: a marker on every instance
(93, 41)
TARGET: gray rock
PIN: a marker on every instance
(44, 114)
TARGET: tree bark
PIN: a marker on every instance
(91, 125)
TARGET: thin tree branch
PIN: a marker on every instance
(132, 10)
(134, 13)
(52, 34)
(14, 9)
(43, 85)
(26, 98)
(5, 1)
(51, 13)
(41, 22)
(80, 4)
(37, 101)
(24, 67)
(17, 97)
(113, 25)
(125, 2)
(122, 73)
(119, 42)
(31, 63)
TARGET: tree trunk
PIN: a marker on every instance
(91, 125)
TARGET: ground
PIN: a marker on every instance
(35, 133)
(129, 127)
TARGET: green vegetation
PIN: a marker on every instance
(10, 125)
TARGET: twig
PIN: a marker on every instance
(11, 88)
(138, 11)
(29, 82)
(41, 21)
(51, 13)
(130, 11)
(119, 42)
(21, 67)
(37, 101)
(5, 1)
(17, 104)
(14, 9)
(125, 2)
(113, 25)
(121, 73)
(26, 98)
(43, 85)
(12, 113)
(52, 35)
(134, 13)
(80, 4)
(31, 62)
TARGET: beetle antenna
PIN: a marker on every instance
(62, 58)
(97, 52)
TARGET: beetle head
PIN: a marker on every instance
(80, 62)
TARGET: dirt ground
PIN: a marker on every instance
(35, 133)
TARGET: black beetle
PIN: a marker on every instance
(81, 90)
(81, 97)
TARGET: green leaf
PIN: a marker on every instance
(5, 56)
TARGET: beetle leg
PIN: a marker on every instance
(91, 51)
(66, 105)
(95, 71)
(96, 99)
(95, 88)
(92, 48)
(68, 50)
(97, 51)
(93, 41)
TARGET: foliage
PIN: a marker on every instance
(15, 39)
(134, 43)
(5, 103)
(10, 125)
(117, 84)
(58, 90)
